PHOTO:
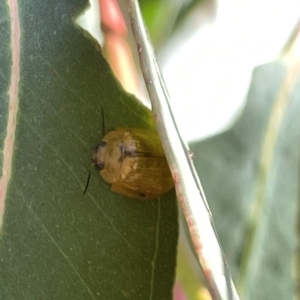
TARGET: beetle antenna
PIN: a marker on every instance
(87, 182)
(89, 176)
(88, 179)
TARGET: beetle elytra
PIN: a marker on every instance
(132, 160)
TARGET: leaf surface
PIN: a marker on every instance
(55, 242)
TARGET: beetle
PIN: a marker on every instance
(133, 162)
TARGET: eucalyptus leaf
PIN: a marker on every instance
(250, 176)
(57, 243)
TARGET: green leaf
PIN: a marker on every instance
(160, 17)
(55, 242)
(250, 176)
(164, 17)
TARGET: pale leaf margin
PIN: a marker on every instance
(187, 184)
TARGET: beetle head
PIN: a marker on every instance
(98, 155)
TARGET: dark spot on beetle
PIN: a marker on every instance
(142, 195)
(122, 148)
(130, 153)
(100, 165)
(101, 144)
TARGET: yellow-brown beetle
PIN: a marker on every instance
(132, 160)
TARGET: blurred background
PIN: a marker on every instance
(214, 46)
(232, 71)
